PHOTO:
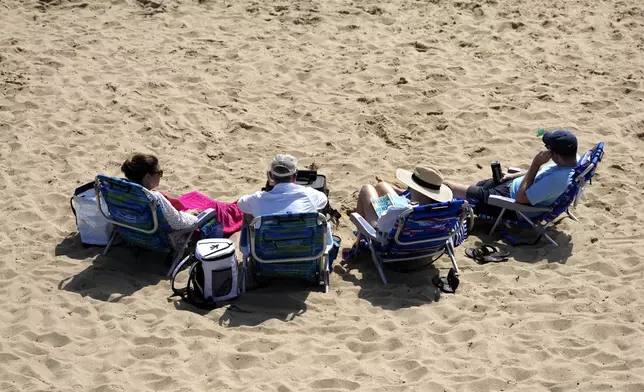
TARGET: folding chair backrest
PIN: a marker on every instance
(429, 226)
(587, 167)
(583, 173)
(289, 237)
(130, 205)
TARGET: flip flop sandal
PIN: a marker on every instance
(486, 254)
(447, 284)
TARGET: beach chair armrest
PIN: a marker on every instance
(202, 218)
(205, 216)
(511, 204)
(364, 228)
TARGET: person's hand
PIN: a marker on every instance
(542, 158)
(508, 177)
(194, 212)
(511, 176)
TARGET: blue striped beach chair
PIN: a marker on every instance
(582, 175)
(421, 232)
(139, 220)
(287, 246)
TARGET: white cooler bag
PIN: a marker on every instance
(213, 273)
(92, 226)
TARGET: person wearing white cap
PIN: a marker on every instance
(286, 196)
(425, 186)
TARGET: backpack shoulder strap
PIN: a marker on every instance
(179, 292)
(191, 293)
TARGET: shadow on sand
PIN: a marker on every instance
(116, 276)
(125, 270)
(403, 289)
(279, 300)
(542, 250)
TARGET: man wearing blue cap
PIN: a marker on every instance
(538, 186)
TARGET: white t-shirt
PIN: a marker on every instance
(178, 220)
(283, 198)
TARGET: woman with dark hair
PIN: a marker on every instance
(144, 170)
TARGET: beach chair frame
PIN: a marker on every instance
(445, 244)
(250, 254)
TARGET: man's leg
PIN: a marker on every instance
(459, 190)
(480, 192)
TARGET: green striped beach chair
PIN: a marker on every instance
(287, 246)
(139, 220)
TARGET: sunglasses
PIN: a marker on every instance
(160, 173)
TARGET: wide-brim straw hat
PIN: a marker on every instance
(427, 181)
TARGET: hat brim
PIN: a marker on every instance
(440, 195)
(282, 171)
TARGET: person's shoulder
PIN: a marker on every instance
(564, 171)
(157, 195)
(298, 187)
(555, 169)
(313, 192)
(252, 196)
(310, 190)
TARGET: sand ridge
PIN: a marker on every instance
(214, 88)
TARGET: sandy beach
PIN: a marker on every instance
(356, 89)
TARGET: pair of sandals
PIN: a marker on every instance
(486, 254)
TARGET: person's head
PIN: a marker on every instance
(562, 145)
(143, 169)
(425, 185)
(420, 198)
(283, 169)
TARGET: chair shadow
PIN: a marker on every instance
(403, 289)
(116, 276)
(542, 250)
(72, 247)
(283, 300)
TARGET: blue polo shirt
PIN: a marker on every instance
(550, 183)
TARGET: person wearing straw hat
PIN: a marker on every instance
(425, 186)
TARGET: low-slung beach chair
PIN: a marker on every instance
(287, 246)
(582, 175)
(420, 232)
(139, 220)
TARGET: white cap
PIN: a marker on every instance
(284, 165)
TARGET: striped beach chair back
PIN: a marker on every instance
(290, 245)
(130, 204)
(425, 230)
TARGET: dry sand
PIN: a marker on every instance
(356, 88)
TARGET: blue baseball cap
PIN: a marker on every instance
(562, 142)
